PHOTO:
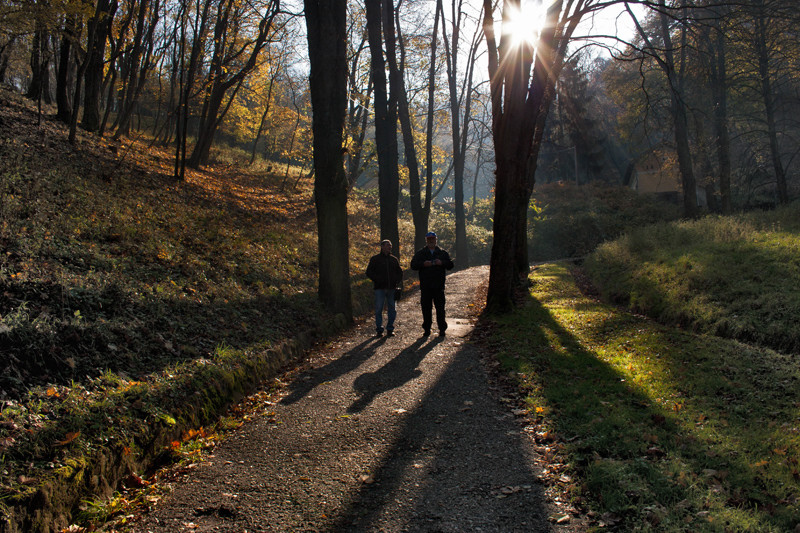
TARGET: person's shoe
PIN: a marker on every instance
(441, 333)
(389, 333)
(379, 333)
(426, 333)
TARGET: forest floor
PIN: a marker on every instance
(403, 433)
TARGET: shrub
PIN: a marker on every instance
(569, 221)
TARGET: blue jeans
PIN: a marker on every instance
(384, 296)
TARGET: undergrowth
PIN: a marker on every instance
(567, 221)
(736, 276)
(131, 302)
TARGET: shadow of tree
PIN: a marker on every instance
(687, 445)
(458, 464)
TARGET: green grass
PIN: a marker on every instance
(661, 429)
(736, 277)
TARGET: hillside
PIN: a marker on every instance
(134, 307)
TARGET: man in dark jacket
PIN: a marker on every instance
(386, 275)
(432, 262)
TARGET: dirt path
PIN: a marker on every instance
(380, 434)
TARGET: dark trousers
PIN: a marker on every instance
(429, 298)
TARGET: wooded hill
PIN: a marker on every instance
(134, 308)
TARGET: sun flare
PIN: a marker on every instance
(523, 25)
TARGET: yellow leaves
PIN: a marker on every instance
(51, 392)
(196, 434)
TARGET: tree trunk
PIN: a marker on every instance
(679, 116)
(99, 26)
(459, 124)
(139, 64)
(358, 123)
(263, 120)
(5, 57)
(521, 98)
(719, 86)
(326, 25)
(408, 139)
(769, 104)
(421, 209)
(226, 75)
(385, 122)
(39, 88)
(63, 84)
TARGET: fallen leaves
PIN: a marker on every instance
(70, 437)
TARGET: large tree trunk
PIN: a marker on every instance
(521, 98)
(65, 69)
(509, 188)
(99, 27)
(385, 119)
(326, 24)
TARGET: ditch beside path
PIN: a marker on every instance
(376, 434)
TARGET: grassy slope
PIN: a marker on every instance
(123, 294)
(658, 429)
(731, 276)
(662, 428)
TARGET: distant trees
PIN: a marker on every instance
(381, 32)
(722, 78)
(460, 100)
(714, 85)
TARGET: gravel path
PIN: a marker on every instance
(377, 434)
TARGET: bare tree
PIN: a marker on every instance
(234, 56)
(99, 30)
(664, 55)
(460, 108)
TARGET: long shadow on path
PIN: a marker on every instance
(395, 373)
(459, 462)
(351, 360)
